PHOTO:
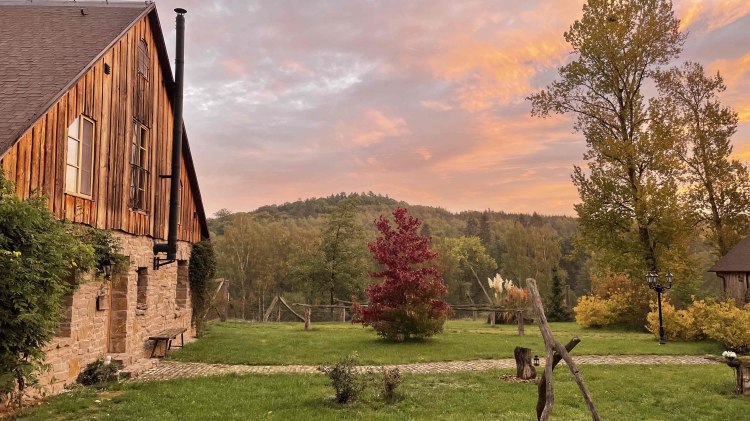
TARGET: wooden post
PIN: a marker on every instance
(542, 386)
(473, 315)
(519, 319)
(492, 318)
(343, 314)
(278, 314)
(550, 343)
(308, 317)
(524, 369)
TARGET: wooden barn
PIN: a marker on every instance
(87, 110)
(733, 269)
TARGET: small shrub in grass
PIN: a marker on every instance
(98, 372)
(391, 380)
(346, 381)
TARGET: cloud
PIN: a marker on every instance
(372, 128)
(710, 15)
(422, 100)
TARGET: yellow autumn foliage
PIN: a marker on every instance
(723, 322)
(593, 311)
(682, 324)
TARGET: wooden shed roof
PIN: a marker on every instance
(736, 260)
(47, 46)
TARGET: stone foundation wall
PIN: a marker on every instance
(121, 324)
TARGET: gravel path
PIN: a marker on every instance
(167, 370)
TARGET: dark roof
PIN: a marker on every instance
(45, 47)
(736, 260)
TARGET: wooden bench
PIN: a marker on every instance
(168, 335)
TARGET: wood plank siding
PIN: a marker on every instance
(37, 162)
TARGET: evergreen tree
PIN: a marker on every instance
(426, 231)
(472, 227)
(556, 310)
(484, 232)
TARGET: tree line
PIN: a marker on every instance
(315, 250)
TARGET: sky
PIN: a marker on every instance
(421, 100)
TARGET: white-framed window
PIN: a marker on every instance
(80, 157)
(139, 168)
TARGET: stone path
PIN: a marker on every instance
(167, 370)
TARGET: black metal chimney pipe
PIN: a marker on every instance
(174, 191)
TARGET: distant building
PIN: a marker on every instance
(734, 271)
(86, 118)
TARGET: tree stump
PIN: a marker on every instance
(524, 369)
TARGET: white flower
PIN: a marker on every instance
(728, 354)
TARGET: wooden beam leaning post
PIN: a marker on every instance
(551, 344)
(308, 317)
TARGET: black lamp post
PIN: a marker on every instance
(536, 360)
(653, 283)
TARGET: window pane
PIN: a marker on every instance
(71, 179)
(72, 152)
(133, 185)
(73, 129)
(86, 156)
(85, 182)
(88, 132)
(134, 155)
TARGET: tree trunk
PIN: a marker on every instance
(524, 369)
(308, 316)
(519, 320)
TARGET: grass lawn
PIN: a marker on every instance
(237, 342)
(620, 392)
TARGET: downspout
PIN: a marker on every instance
(170, 247)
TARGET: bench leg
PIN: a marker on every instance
(182, 340)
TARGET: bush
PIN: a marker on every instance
(726, 323)
(39, 259)
(346, 382)
(391, 380)
(723, 322)
(617, 301)
(681, 325)
(201, 271)
(409, 302)
(593, 311)
(98, 372)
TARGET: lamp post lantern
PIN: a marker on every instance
(653, 282)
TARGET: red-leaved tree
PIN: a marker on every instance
(408, 303)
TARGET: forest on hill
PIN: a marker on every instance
(315, 250)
